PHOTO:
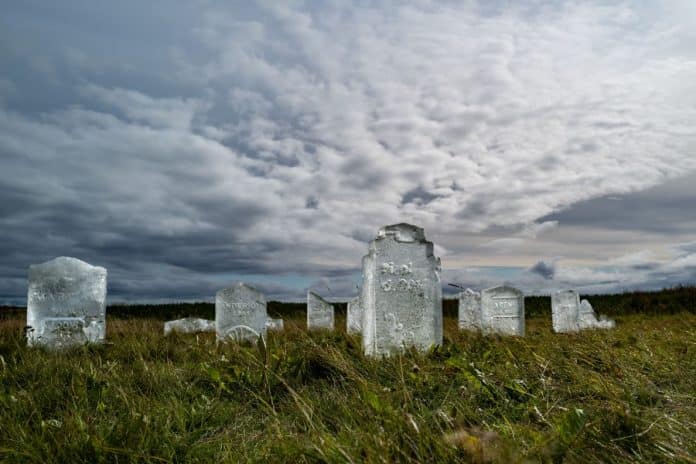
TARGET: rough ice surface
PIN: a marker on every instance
(502, 311)
(354, 316)
(565, 311)
(189, 325)
(320, 313)
(401, 292)
(588, 318)
(470, 310)
(240, 314)
(66, 303)
(274, 324)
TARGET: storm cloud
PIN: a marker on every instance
(184, 147)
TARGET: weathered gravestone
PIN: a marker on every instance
(588, 319)
(470, 310)
(354, 316)
(320, 313)
(189, 325)
(66, 303)
(274, 324)
(401, 292)
(240, 314)
(565, 311)
(502, 311)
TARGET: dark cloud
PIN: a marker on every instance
(185, 146)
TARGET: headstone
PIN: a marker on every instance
(565, 311)
(588, 318)
(502, 311)
(274, 324)
(320, 313)
(354, 316)
(470, 310)
(401, 292)
(189, 325)
(240, 314)
(66, 303)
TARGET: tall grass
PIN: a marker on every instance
(625, 395)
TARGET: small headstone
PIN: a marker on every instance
(470, 310)
(354, 316)
(240, 314)
(274, 324)
(565, 311)
(320, 313)
(189, 325)
(588, 318)
(502, 311)
(66, 303)
(401, 292)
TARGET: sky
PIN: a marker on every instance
(188, 145)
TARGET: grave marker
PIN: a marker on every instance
(240, 314)
(502, 311)
(320, 313)
(470, 310)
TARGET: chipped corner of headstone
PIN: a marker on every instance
(403, 232)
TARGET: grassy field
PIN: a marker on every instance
(626, 395)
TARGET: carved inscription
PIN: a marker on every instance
(506, 307)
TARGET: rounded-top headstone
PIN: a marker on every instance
(66, 303)
(240, 313)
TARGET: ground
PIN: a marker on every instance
(623, 395)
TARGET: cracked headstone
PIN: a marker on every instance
(274, 324)
(565, 311)
(240, 314)
(189, 325)
(588, 318)
(354, 316)
(66, 303)
(401, 292)
(320, 313)
(470, 310)
(502, 311)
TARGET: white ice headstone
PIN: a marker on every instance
(502, 311)
(66, 303)
(588, 318)
(565, 311)
(354, 316)
(401, 292)
(320, 313)
(240, 313)
(274, 324)
(470, 310)
(189, 325)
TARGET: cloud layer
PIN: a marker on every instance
(270, 141)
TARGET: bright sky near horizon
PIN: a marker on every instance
(184, 146)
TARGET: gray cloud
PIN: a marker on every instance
(178, 145)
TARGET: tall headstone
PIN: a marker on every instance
(502, 311)
(401, 292)
(66, 303)
(565, 311)
(189, 325)
(470, 310)
(320, 313)
(354, 316)
(240, 313)
(588, 319)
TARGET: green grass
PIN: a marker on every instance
(625, 395)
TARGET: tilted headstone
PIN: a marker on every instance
(502, 311)
(189, 325)
(320, 313)
(354, 316)
(274, 324)
(401, 292)
(66, 303)
(588, 318)
(470, 310)
(565, 311)
(240, 314)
